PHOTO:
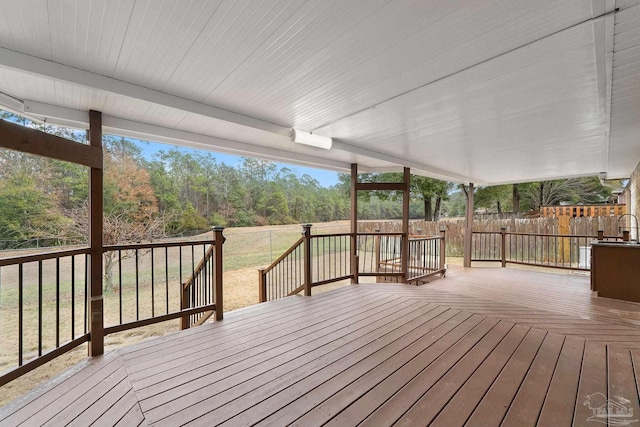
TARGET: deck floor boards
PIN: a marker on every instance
(484, 346)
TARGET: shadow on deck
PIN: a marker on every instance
(484, 347)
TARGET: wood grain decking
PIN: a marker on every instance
(482, 347)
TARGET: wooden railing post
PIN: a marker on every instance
(443, 250)
(354, 224)
(404, 242)
(356, 265)
(601, 235)
(468, 225)
(96, 209)
(217, 265)
(503, 246)
(262, 286)
(306, 233)
(184, 304)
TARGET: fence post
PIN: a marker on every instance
(217, 278)
(503, 246)
(306, 233)
(443, 251)
(262, 286)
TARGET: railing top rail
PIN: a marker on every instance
(21, 259)
(132, 246)
(284, 255)
(516, 233)
(581, 236)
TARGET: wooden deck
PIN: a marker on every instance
(482, 347)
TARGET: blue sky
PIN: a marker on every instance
(325, 178)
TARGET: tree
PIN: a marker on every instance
(27, 211)
(586, 190)
(498, 197)
(422, 189)
(275, 205)
(130, 207)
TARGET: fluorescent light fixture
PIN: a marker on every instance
(308, 138)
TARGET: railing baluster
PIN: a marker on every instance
(57, 302)
(20, 313)
(86, 291)
(120, 284)
(137, 286)
(153, 296)
(73, 297)
(193, 269)
(166, 277)
(40, 308)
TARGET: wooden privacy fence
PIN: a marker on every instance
(316, 260)
(45, 296)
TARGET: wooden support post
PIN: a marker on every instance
(405, 225)
(443, 251)
(262, 286)
(306, 233)
(96, 208)
(354, 223)
(601, 235)
(503, 246)
(468, 230)
(356, 277)
(217, 278)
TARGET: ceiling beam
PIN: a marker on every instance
(117, 126)
(20, 138)
(416, 168)
(80, 119)
(603, 34)
(148, 132)
(40, 67)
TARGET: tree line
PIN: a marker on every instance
(172, 193)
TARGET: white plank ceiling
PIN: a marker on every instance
(472, 91)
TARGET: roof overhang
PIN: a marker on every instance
(470, 92)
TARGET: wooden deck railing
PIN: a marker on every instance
(44, 308)
(543, 250)
(426, 257)
(285, 276)
(316, 260)
(44, 296)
